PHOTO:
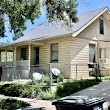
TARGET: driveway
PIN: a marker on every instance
(100, 90)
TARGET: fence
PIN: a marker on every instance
(73, 71)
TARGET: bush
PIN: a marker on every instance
(69, 88)
(11, 90)
(48, 95)
(45, 80)
(12, 104)
(109, 107)
(19, 90)
(59, 78)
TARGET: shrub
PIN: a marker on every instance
(109, 107)
(60, 78)
(48, 95)
(19, 90)
(11, 89)
(12, 104)
(46, 79)
(69, 88)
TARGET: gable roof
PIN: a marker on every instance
(55, 29)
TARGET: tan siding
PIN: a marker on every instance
(92, 31)
(63, 53)
(79, 58)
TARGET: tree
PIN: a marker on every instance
(17, 12)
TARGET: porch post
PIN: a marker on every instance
(29, 57)
(14, 63)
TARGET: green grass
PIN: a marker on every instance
(105, 78)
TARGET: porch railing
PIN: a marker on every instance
(2, 64)
(22, 63)
(104, 63)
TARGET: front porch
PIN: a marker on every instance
(104, 58)
(17, 60)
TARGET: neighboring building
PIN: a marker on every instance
(70, 50)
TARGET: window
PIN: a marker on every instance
(23, 53)
(101, 24)
(54, 52)
(37, 55)
(92, 53)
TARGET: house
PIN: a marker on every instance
(70, 50)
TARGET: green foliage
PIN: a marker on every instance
(69, 88)
(62, 10)
(17, 12)
(19, 90)
(2, 27)
(109, 107)
(48, 95)
(105, 78)
(60, 78)
(46, 79)
(12, 104)
(56, 79)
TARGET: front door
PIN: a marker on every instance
(37, 55)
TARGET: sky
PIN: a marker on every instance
(84, 6)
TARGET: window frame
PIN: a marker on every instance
(53, 61)
(22, 53)
(101, 28)
(94, 52)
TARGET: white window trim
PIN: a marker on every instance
(50, 53)
(100, 18)
(95, 52)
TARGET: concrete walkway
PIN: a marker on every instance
(100, 90)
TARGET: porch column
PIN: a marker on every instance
(29, 57)
(14, 63)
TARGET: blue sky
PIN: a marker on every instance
(84, 6)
